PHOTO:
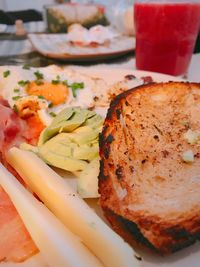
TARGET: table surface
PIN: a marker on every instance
(18, 51)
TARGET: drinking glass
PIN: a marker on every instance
(166, 32)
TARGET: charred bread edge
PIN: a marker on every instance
(131, 233)
(124, 227)
(121, 225)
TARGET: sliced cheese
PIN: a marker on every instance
(57, 244)
(72, 210)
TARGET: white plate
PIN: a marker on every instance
(112, 75)
(56, 46)
(188, 257)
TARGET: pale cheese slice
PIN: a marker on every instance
(56, 243)
(72, 210)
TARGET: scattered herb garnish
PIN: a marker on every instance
(41, 97)
(57, 80)
(23, 83)
(65, 82)
(26, 67)
(6, 73)
(16, 90)
(75, 87)
(16, 97)
(52, 114)
(39, 82)
(38, 75)
(50, 105)
(15, 109)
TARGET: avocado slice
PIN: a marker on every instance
(70, 142)
(61, 161)
(88, 180)
(66, 121)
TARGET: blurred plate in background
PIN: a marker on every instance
(56, 46)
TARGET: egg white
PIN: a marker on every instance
(10, 89)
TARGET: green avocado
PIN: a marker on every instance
(67, 121)
(88, 180)
(84, 138)
(71, 141)
(60, 161)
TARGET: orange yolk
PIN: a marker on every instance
(56, 93)
(35, 128)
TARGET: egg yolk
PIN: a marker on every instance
(56, 93)
(35, 128)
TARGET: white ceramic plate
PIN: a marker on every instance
(113, 75)
(56, 46)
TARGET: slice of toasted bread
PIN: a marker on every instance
(149, 177)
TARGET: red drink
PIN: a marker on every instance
(165, 35)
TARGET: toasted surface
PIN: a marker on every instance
(144, 182)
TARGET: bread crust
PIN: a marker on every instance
(148, 193)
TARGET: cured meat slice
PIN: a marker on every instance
(16, 244)
(13, 130)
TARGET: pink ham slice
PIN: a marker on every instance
(16, 244)
(13, 130)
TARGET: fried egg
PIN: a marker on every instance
(45, 91)
(97, 34)
(39, 94)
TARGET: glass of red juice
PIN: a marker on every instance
(166, 32)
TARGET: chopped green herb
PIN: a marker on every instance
(38, 75)
(16, 97)
(52, 114)
(39, 82)
(50, 105)
(65, 82)
(23, 83)
(57, 81)
(6, 73)
(26, 67)
(76, 86)
(16, 90)
(41, 97)
(15, 109)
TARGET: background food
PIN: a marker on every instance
(95, 36)
(61, 16)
